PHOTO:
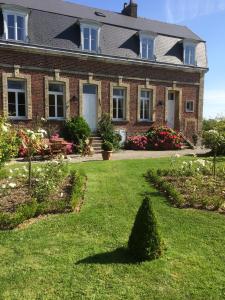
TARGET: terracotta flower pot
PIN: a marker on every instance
(106, 155)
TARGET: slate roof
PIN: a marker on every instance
(53, 23)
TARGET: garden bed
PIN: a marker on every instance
(18, 204)
(191, 185)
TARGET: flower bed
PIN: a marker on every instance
(54, 190)
(157, 138)
(192, 185)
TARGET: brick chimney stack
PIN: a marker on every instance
(130, 9)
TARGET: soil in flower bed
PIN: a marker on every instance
(13, 198)
(205, 193)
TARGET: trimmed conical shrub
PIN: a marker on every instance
(145, 242)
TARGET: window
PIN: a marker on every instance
(147, 46)
(56, 101)
(15, 25)
(145, 102)
(16, 99)
(189, 106)
(189, 54)
(172, 96)
(90, 37)
(119, 104)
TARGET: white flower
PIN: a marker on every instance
(10, 177)
(177, 155)
(61, 195)
(25, 168)
(4, 128)
(10, 171)
(12, 185)
(43, 119)
(4, 186)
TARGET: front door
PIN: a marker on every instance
(90, 105)
(171, 104)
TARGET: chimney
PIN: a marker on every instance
(130, 9)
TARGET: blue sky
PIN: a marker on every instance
(204, 17)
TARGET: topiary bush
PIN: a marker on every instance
(107, 146)
(76, 130)
(145, 242)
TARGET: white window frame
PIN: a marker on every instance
(90, 26)
(149, 36)
(186, 108)
(55, 94)
(187, 60)
(117, 100)
(144, 99)
(17, 91)
(16, 14)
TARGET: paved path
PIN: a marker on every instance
(129, 154)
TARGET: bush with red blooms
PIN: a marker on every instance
(164, 138)
(69, 146)
(138, 142)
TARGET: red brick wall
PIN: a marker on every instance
(190, 92)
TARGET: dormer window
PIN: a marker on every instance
(15, 25)
(147, 42)
(90, 37)
(189, 53)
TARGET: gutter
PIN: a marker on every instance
(101, 57)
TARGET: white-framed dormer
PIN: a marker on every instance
(90, 36)
(147, 45)
(189, 52)
(15, 23)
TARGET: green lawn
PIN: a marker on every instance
(79, 256)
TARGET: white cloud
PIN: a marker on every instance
(180, 10)
(214, 103)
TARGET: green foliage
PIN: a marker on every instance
(107, 146)
(34, 208)
(215, 140)
(47, 178)
(174, 196)
(9, 142)
(107, 132)
(145, 242)
(76, 130)
(214, 124)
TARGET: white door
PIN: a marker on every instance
(171, 109)
(90, 105)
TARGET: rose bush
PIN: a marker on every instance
(164, 138)
(137, 142)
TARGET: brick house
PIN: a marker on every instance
(60, 59)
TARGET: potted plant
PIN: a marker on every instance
(107, 149)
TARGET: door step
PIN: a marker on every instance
(97, 144)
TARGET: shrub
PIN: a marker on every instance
(163, 138)
(107, 132)
(145, 242)
(107, 146)
(138, 142)
(76, 130)
(9, 142)
(215, 141)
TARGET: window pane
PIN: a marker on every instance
(11, 33)
(93, 39)
(11, 98)
(21, 98)
(141, 110)
(120, 109)
(51, 100)
(171, 96)
(59, 100)
(16, 85)
(144, 48)
(89, 89)
(114, 108)
(53, 87)
(60, 112)
(21, 110)
(118, 92)
(20, 22)
(150, 48)
(20, 34)
(86, 39)
(145, 94)
(12, 110)
(11, 20)
(52, 111)
(146, 110)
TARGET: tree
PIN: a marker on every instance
(145, 242)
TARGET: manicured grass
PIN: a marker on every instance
(79, 256)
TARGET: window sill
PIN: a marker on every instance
(120, 121)
(56, 119)
(18, 118)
